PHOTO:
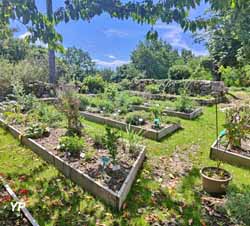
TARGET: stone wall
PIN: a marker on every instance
(41, 89)
(38, 88)
(194, 87)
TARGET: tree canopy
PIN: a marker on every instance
(80, 63)
(154, 58)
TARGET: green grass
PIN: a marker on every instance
(54, 200)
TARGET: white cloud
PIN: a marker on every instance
(114, 32)
(37, 43)
(173, 34)
(112, 64)
(110, 56)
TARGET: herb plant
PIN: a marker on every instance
(71, 144)
(37, 130)
(237, 125)
(111, 142)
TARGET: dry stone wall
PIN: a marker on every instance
(194, 87)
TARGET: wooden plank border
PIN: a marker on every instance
(24, 210)
(200, 101)
(115, 199)
(217, 153)
(190, 116)
(148, 133)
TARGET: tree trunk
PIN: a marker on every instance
(51, 52)
(52, 66)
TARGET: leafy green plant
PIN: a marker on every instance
(37, 130)
(72, 144)
(124, 84)
(135, 100)
(106, 106)
(26, 101)
(83, 89)
(133, 139)
(136, 118)
(111, 142)
(14, 117)
(153, 88)
(89, 155)
(111, 92)
(95, 84)
(178, 72)
(237, 205)
(69, 104)
(49, 114)
(99, 141)
(183, 103)
(237, 125)
(84, 102)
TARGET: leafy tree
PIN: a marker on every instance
(186, 55)
(127, 71)
(13, 50)
(178, 72)
(154, 58)
(107, 74)
(79, 62)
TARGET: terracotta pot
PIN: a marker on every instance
(215, 186)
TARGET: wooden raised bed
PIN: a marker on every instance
(115, 199)
(217, 153)
(194, 114)
(148, 133)
(200, 101)
(24, 210)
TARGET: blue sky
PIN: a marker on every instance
(111, 41)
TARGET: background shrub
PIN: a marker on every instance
(95, 84)
(153, 88)
(178, 72)
(137, 118)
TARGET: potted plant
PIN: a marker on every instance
(215, 180)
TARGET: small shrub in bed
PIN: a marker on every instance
(183, 103)
(26, 101)
(135, 100)
(69, 104)
(99, 141)
(84, 102)
(133, 140)
(72, 144)
(95, 84)
(37, 130)
(136, 118)
(106, 106)
(111, 142)
(49, 115)
(237, 126)
(153, 88)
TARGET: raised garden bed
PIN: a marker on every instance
(10, 217)
(201, 101)
(234, 157)
(192, 115)
(73, 169)
(146, 132)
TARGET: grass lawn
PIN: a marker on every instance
(54, 200)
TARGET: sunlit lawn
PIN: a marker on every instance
(54, 200)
